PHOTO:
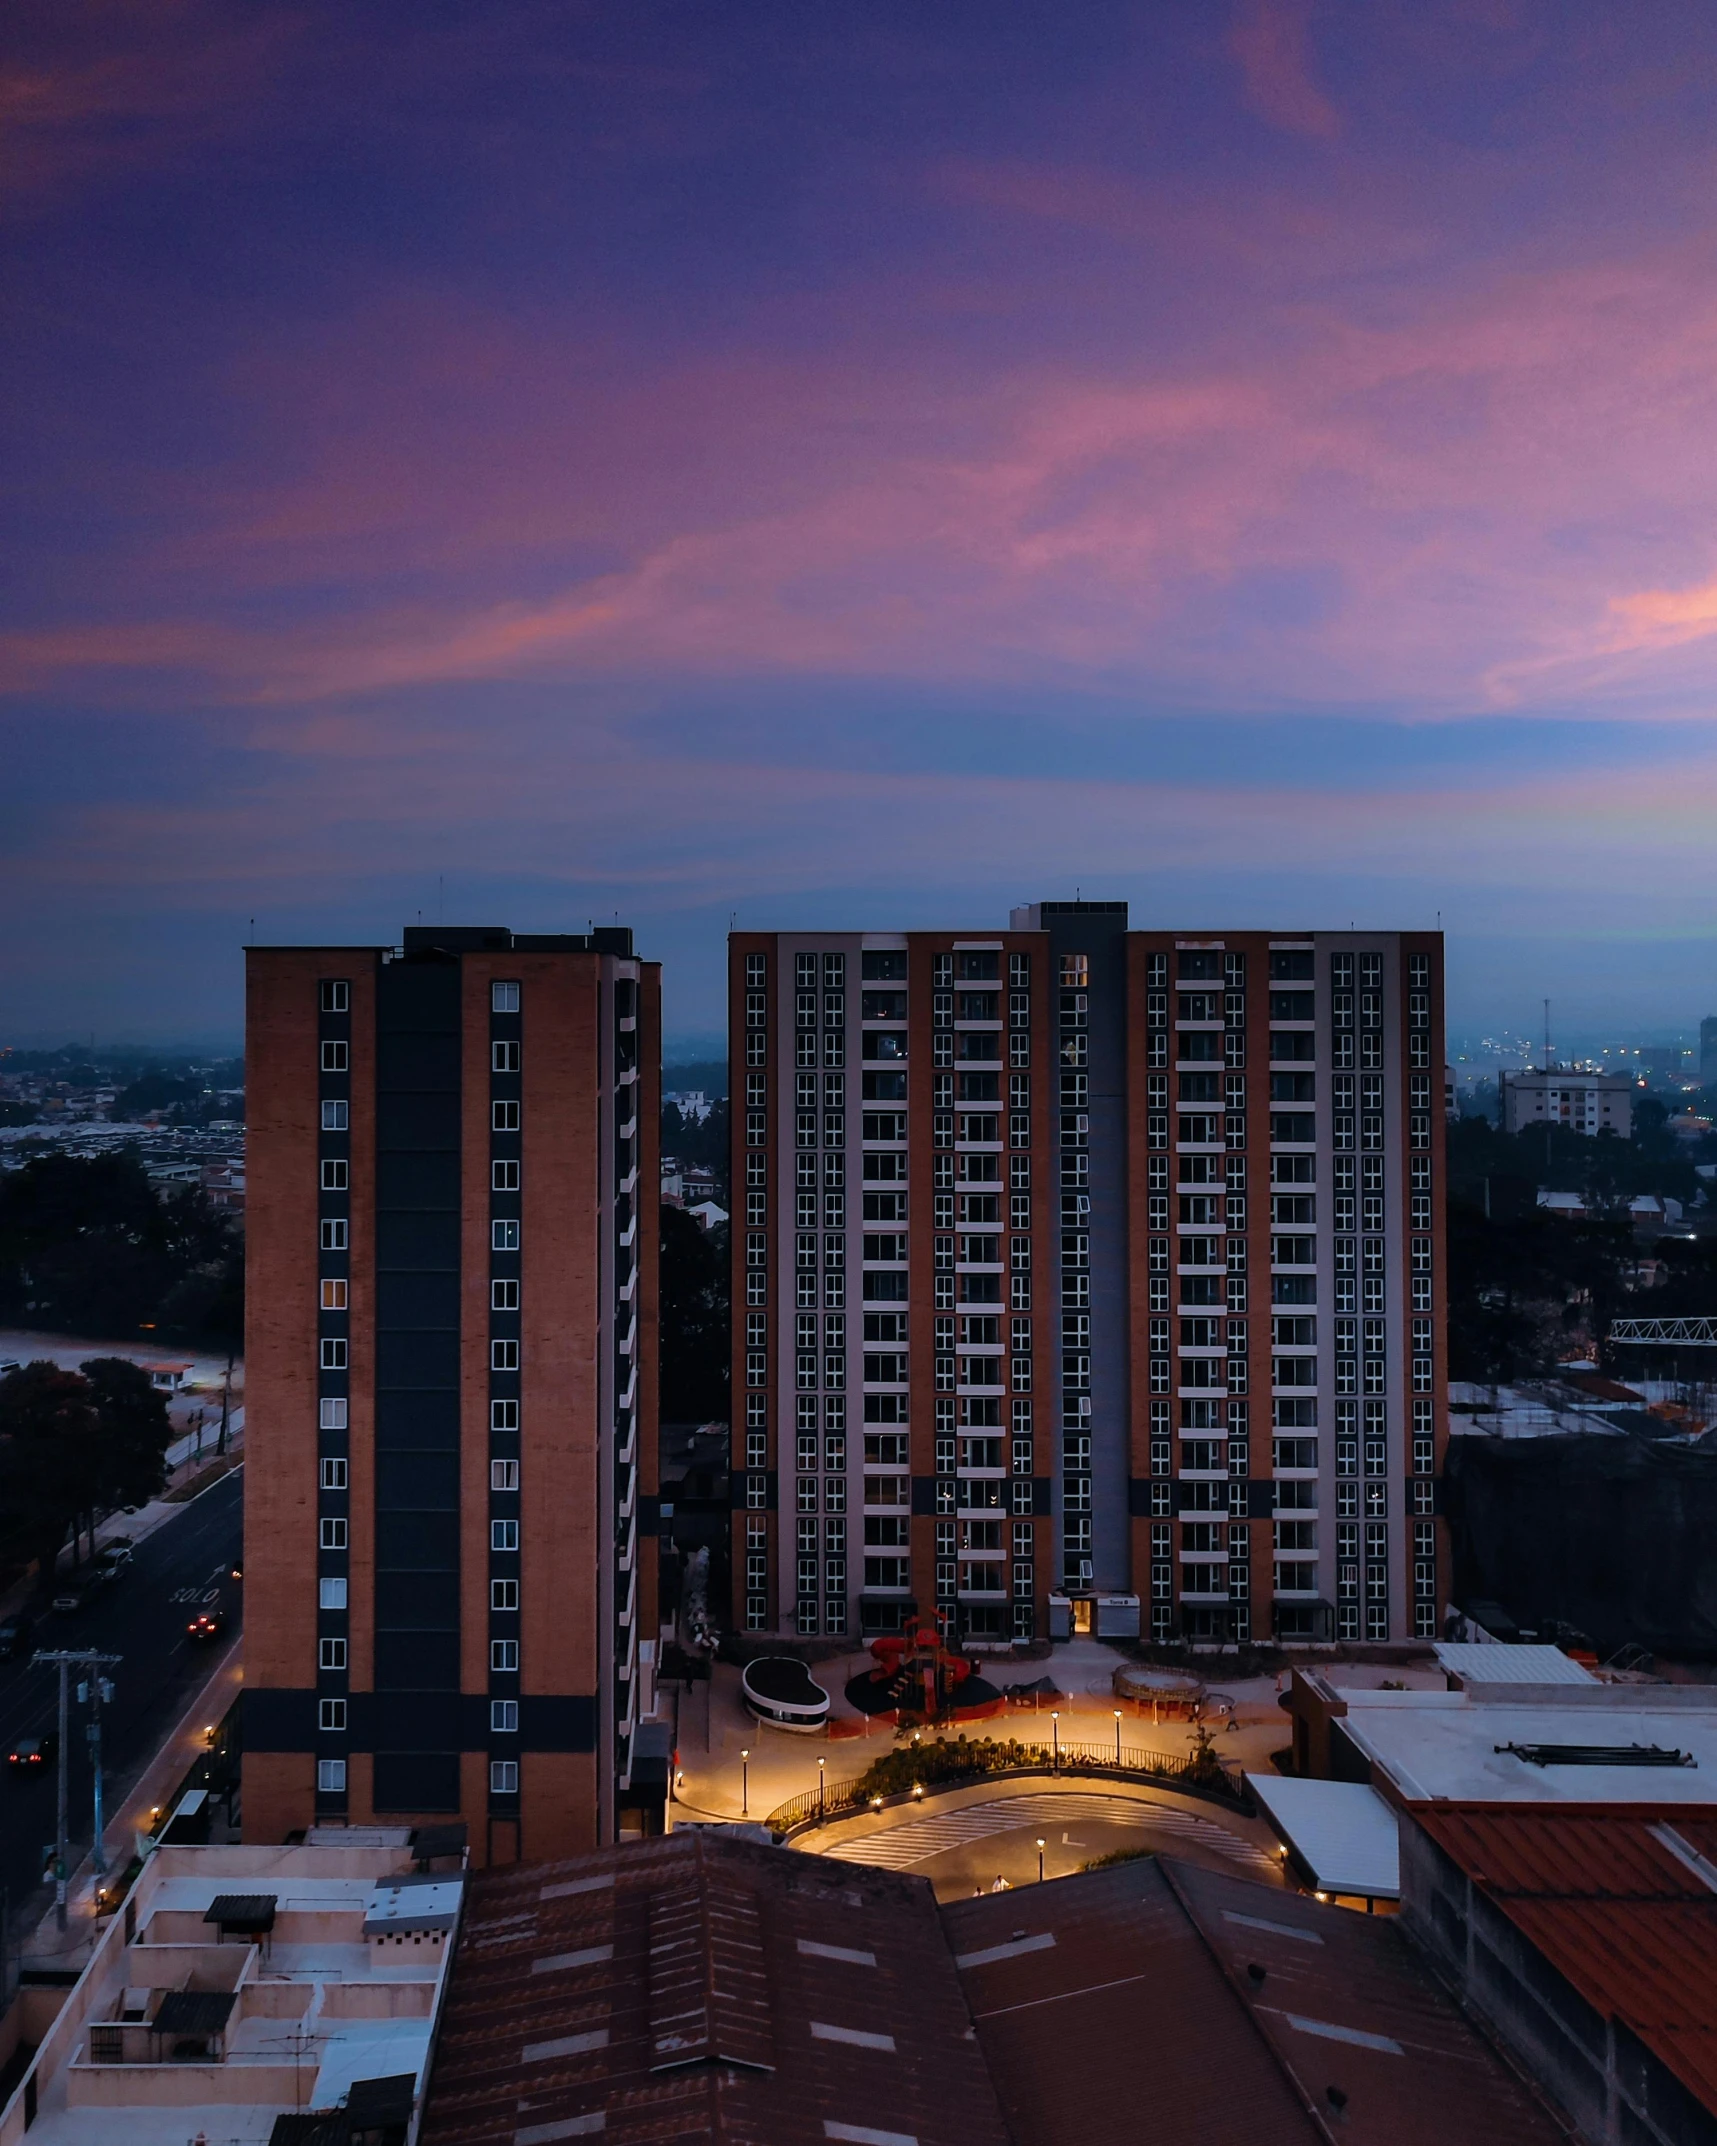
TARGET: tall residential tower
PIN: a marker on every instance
(1088, 1279)
(450, 1356)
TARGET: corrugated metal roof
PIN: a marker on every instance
(1510, 1662)
(1345, 2004)
(1624, 1907)
(702, 1989)
(1159, 1999)
(1344, 1834)
(1094, 1999)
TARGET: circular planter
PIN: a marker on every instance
(783, 1694)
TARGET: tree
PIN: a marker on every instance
(133, 1431)
(694, 1321)
(49, 1459)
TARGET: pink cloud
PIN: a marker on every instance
(1271, 41)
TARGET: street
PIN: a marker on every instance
(184, 1566)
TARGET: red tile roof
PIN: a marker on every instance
(1623, 1907)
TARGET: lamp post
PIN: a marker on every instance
(1040, 1862)
(1117, 1736)
(822, 1779)
(745, 1784)
(1055, 1739)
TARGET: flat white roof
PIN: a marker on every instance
(1509, 1662)
(1343, 1832)
(1459, 1752)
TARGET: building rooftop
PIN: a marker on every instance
(1509, 1663)
(1342, 1836)
(1566, 1744)
(698, 1988)
(1232, 2012)
(240, 1985)
(1622, 1906)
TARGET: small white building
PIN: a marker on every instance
(1561, 1095)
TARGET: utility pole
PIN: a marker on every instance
(63, 1660)
(226, 1405)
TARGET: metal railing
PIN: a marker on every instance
(1187, 1775)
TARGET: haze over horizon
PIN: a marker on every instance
(868, 468)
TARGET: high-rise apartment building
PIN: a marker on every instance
(451, 1402)
(1121, 1252)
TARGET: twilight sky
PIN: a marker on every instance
(858, 464)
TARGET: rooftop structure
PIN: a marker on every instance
(1474, 1662)
(242, 1985)
(1340, 1837)
(1586, 1941)
(1231, 2012)
(694, 1987)
(1556, 1744)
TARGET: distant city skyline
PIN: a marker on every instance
(1252, 460)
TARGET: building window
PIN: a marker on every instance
(504, 1117)
(334, 1233)
(331, 1594)
(503, 1356)
(333, 1475)
(504, 1176)
(335, 1057)
(503, 1475)
(335, 1117)
(333, 1356)
(503, 1594)
(336, 994)
(503, 1534)
(331, 1415)
(334, 1173)
(331, 1716)
(331, 1654)
(504, 1296)
(503, 1415)
(504, 1236)
(504, 1656)
(503, 998)
(504, 1057)
(333, 1534)
(330, 1777)
(333, 1296)
(503, 1777)
(504, 1717)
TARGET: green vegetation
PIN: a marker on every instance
(72, 1444)
(1120, 1855)
(1526, 1286)
(695, 1336)
(87, 1247)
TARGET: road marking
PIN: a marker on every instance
(916, 1840)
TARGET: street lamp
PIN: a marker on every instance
(1055, 1738)
(745, 1784)
(1040, 1862)
(822, 1779)
(1117, 1736)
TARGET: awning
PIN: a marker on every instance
(1341, 1834)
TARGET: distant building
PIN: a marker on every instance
(1583, 1102)
(1708, 1051)
(1662, 1061)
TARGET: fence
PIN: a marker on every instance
(1187, 1775)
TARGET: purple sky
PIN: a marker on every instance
(859, 464)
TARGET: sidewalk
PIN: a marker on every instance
(50, 1947)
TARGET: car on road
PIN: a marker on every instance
(114, 1558)
(70, 1599)
(207, 1624)
(31, 1754)
(14, 1636)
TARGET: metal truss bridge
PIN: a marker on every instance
(1666, 1333)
